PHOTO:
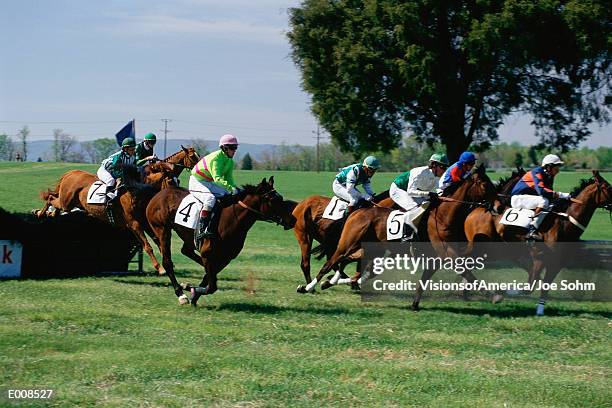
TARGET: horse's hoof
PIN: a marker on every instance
(301, 289)
(326, 285)
(415, 307)
(355, 286)
(161, 271)
(186, 286)
(183, 300)
(497, 298)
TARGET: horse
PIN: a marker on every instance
(185, 158)
(311, 226)
(441, 223)
(565, 224)
(128, 211)
(240, 211)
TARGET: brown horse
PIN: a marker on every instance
(128, 211)
(185, 158)
(565, 224)
(238, 215)
(443, 223)
(311, 226)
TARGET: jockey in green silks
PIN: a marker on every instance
(212, 178)
(415, 190)
(112, 167)
(345, 183)
(144, 149)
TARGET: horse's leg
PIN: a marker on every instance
(142, 238)
(188, 249)
(549, 277)
(208, 285)
(305, 243)
(165, 239)
(426, 276)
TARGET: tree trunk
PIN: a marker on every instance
(455, 144)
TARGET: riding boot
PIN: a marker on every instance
(408, 234)
(202, 231)
(538, 217)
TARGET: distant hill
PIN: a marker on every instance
(44, 148)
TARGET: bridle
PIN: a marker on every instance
(268, 196)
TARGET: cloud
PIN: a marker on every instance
(227, 29)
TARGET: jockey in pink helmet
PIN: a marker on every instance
(212, 178)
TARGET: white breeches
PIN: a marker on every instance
(105, 176)
(206, 192)
(342, 193)
(529, 202)
(415, 206)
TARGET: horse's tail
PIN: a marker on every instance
(49, 194)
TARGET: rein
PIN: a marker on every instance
(277, 220)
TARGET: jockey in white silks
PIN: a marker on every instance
(345, 182)
(212, 178)
(415, 190)
(534, 192)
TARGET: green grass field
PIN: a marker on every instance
(124, 341)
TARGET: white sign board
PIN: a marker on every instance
(10, 259)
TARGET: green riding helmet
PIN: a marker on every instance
(128, 142)
(371, 162)
(439, 158)
(150, 137)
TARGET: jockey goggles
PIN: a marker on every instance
(231, 146)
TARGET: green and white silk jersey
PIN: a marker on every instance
(113, 163)
(355, 174)
(417, 182)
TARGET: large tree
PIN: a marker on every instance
(452, 70)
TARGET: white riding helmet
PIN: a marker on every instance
(551, 159)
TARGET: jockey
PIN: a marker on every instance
(345, 183)
(534, 192)
(112, 167)
(414, 190)
(212, 178)
(144, 149)
(458, 171)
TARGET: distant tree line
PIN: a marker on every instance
(412, 153)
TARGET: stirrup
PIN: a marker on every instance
(533, 235)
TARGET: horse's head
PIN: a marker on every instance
(479, 186)
(190, 158)
(600, 190)
(505, 186)
(272, 207)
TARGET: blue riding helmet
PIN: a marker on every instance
(467, 158)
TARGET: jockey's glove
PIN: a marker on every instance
(367, 197)
(565, 196)
(433, 197)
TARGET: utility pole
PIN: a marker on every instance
(166, 135)
(318, 133)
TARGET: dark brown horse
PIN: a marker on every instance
(311, 226)
(565, 224)
(127, 212)
(442, 223)
(253, 203)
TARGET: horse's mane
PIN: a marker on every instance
(172, 155)
(562, 205)
(245, 190)
(503, 181)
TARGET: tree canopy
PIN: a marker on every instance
(450, 71)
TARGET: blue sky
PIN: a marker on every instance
(211, 66)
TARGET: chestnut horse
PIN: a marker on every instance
(566, 223)
(311, 226)
(127, 212)
(444, 223)
(253, 203)
(185, 158)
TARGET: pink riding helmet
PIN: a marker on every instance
(228, 140)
